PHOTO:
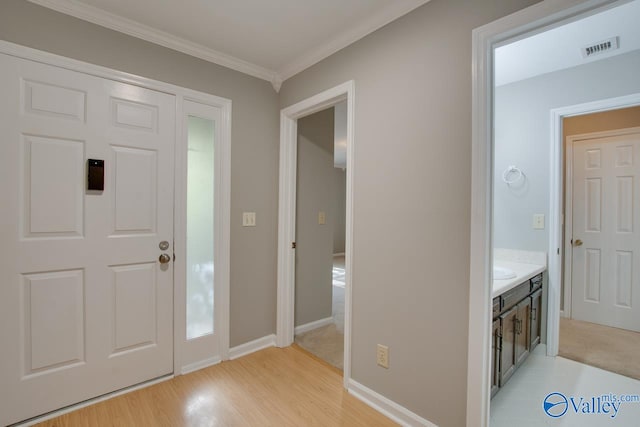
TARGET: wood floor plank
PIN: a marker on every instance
(272, 387)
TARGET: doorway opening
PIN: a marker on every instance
(287, 221)
(320, 234)
(600, 324)
(488, 174)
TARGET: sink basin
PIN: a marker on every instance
(500, 273)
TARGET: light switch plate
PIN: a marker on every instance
(382, 356)
(248, 219)
(322, 218)
(538, 221)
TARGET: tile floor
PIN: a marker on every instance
(519, 403)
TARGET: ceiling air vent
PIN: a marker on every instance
(601, 47)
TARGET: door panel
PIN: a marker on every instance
(85, 306)
(606, 215)
(523, 330)
(508, 356)
(536, 318)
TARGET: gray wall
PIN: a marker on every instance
(522, 138)
(412, 195)
(254, 151)
(339, 209)
(314, 242)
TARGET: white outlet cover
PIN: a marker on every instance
(538, 221)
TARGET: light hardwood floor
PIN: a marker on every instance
(273, 387)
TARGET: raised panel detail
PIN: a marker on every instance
(56, 101)
(53, 310)
(134, 309)
(134, 198)
(593, 158)
(624, 156)
(134, 115)
(593, 204)
(624, 275)
(592, 275)
(53, 187)
(624, 204)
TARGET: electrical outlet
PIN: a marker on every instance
(248, 219)
(383, 356)
(538, 221)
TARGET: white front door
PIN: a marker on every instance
(606, 230)
(85, 305)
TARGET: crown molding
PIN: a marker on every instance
(162, 38)
(133, 28)
(393, 11)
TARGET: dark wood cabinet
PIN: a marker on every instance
(495, 357)
(522, 330)
(536, 318)
(516, 329)
(508, 347)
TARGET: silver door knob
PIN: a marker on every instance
(164, 258)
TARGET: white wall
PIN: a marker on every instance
(522, 138)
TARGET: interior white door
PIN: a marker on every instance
(606, 235)
(85, 305)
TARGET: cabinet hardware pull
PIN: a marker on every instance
(533, 314)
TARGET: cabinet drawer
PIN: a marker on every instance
(515, 295)
(536, 282)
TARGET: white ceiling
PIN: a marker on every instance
(559, 48)
(269, 39)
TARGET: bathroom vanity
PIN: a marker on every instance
(517, 319)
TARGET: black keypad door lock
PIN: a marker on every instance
(95, 174)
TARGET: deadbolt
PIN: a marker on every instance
(577, 242)
(164, 258)
(164, 245)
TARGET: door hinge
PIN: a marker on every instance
(174, 257)
(293, 245)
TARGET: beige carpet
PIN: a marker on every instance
(326, 342)
(612, 349)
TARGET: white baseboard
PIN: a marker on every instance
(312, 325)
(252, 346)
(200, 365)
(391, 409)
(339, 254)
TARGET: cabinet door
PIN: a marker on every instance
(522, 326)
(495, 357)
(507, 353)
(536, 318)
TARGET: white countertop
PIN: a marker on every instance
(524, 264)
(523, 272)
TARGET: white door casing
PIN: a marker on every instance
(287, 212)
(85, 306)
(484, 40)
(605, 285)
